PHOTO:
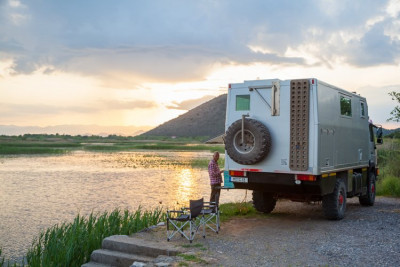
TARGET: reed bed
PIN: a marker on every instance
(70, 244)
(17, 149)
(2, 260)
(388, 159)
(154, 146)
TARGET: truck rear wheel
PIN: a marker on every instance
(369, 198)
(263, 201)
(334, 205)
(256, 142)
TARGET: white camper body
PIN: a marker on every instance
(297, 138)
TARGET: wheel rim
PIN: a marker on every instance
(372, 188)
(248, 145)
(341, 199)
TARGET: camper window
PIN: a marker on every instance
(345, 106)
(362, 109)
(243, 102)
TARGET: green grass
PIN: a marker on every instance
(236, 209)
(197, 245)
(16, 148)
(389, 161)
(389, 186)
(192, 258)
(2, 259)
(48, 144)
(71, 244)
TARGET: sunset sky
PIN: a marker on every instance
(142, 63)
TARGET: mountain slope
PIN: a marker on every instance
(206, 120)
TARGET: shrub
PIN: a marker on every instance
(389, 186)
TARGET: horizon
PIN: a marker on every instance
(141, 64)
(74, 130)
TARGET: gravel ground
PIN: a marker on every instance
(297, 234)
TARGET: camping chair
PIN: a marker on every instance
(179, 219)
(211, 214)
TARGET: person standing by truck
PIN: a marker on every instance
(215, 178)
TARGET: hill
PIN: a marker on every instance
(391, 132)
(206, 120)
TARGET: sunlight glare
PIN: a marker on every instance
(187, 187)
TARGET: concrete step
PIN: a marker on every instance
(95, 264)
(117, 258)
(137, 246)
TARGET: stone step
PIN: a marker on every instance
(95, 264)
(137, 246)
(117, 258)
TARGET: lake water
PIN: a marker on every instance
(37, 192)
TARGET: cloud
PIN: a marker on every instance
(375, 48)
(190, 104)
(134, 104)
(15, 110)
(182, 40)
(36, 111)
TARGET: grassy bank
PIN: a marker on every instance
(71, 243)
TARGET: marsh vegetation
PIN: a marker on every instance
(58, 144)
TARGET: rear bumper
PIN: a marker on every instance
(285, 186)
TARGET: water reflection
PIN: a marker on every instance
(37, 192)
(188, 188)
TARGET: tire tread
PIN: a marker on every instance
(262, 147)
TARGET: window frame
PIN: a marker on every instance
(248, 99)
(349, 98)
(362, 109)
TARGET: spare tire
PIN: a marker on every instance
(256, 145)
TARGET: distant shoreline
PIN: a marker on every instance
(60, 144)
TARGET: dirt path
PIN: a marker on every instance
(297, 234)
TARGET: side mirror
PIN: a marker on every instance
(379, 133)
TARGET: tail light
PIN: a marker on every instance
(306, 177)
(237, 173)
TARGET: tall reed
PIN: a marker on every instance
(2, 260)
(9, 263)
(70, 244)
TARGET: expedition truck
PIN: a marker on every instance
(303, 140)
